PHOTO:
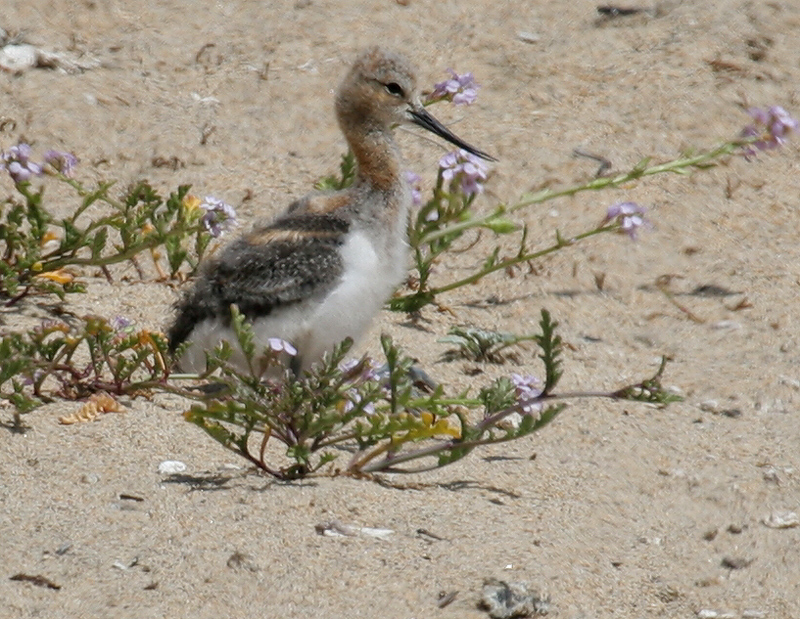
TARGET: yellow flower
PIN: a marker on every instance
(443, 426)
(191, 202)
(60, 276)
(429, 428)
(50, 241)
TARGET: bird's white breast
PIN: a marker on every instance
(369, 276)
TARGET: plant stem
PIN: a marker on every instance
(678, 166)
(502, 264)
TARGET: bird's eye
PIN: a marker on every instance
(394, 89)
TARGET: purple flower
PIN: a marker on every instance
(34, 378)
(413, 179)
(353, 399)
(120, 323)
(61, 161)
(464, 167)
(348, 365)
(368, 372)
(628, 215)
(527, 389)
(771, 128)
(277, 345)
(460, 89)
(219, 216)
(17, 162)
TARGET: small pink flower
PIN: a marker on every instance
(413, 180)
(61, 161)
(772, 128)
(527, 389)
(460, 89)
(465, 167)
(276, 344)
(219, 216)
(628, 215)
(18, 164)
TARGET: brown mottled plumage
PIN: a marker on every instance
(322, 270)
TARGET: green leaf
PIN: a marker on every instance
(640, 167)
(498, 396)
(347, 174)
(98, 243)
(243, 331)
(199, 417)
(551, 346)
(501, 225)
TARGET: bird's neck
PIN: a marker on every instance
(379, 164)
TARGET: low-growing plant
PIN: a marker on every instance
(76, 359)
(39, 250)
(350, 417)
(477, 344)
(373, 415)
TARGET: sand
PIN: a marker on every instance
(615, 510)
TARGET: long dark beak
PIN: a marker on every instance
(420, 116)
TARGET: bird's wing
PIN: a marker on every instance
(293, 259)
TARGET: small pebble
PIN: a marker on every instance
(710, 534)
(782, 519)
(504, 600)
(729, 325)
(771, 475)
(735, 563)
(791, 382)
(510, 422)
(528, 37)
(241, 561)
(230, 466)
(171, 467)
(18, 58)
(709, 406)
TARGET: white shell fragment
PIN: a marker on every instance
(334, 528)
(782, 519)
(726, 325)
(714, 614)
(528, 37)
(18, 58)
(171, 467)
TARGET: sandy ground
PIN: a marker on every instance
(626, 511)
